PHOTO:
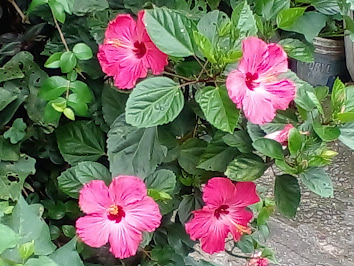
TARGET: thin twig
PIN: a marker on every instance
(176, 76)
(19, 11)
(200, 63)
(60, 32)
(203, 69)
(235, 255)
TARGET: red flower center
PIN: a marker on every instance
(251, 80)
(221, 210)
(115, 213)
(139, 49)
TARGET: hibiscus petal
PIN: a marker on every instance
(124, 240)
(199, 225)
(280, 136)
(108, 56)
(236, 87)
(94, 197)
(246, 194)
(277, 60)
(144, 215)
(282, 91)
(214, 241)
(218, 191)
(240, 220)
(93, 230)
(122, 28)
(125, 190)
(255, 52)
(155, 59)
(258, 107)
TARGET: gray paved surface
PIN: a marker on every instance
(323, 231)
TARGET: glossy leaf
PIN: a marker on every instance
(9, 238)
(82, 51)
(287, 194)
(269, 148)
(190, 153)
(347, 135)
(171, 31)
(67, 62)
(317, 180)
(295, 141)
(298, 50)
(53, 87)
(243, 20)
(287, 17)
(154, 101)
(188, 204)
(217, 107)
(80, 141)
(246, 167)
(53, 60)
(133, 151)
(73, 179)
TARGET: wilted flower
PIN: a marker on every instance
(254, 86)
(258, 262)
(225, 212)
(128, 52)
(117, 214)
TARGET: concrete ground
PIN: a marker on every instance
(322, 234)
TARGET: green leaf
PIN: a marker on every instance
(82, 51)
(80, 141)
(83, 7)
(209, 25)
(240, 140)
(217, 107)
(26, 222)
(295, 141)
(154, 101)
(53, 60)
(162, 180)
(337, 96)
(13, 175)
(269, 9)
(246, 167)
(41, 261)
(53, 87)
(9, 238)
(213, 3)
(26, 250)
(6, 97)
(217, 154)
(67, 62)
(243, 20)
(67, 255)
(77, 105)
(346, 117)
(287, 194)
(171, 31)
(317, 180)
(326, 133)
(69, 113)
(58, 10)
(69, 230)
(205, 46)
(188, 204)
(313, 18)
(83, 92)
(269, 148)
(8, 151)
(133, 151)
(17, 132)
(282, 165)
(287, 17)
(326, 7)
(72, 180)
(34, 4)
(113, 103)
(298, 50)
(190, 153)
(347, 135)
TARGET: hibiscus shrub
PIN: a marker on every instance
(133, 132)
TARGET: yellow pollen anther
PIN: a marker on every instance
(115, 42)
(243, 229)
(113, 210)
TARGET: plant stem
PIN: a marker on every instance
(176, 76)
(19, 11)
(235, 255)
(200, 63)
(203, 69)
(60, 32)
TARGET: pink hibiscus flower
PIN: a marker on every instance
(128, 52)
(117, 214)
(281, 135)
(258, 262)
(254, 86)
(225, 212)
